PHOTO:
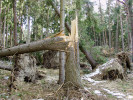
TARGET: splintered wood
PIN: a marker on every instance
(72, 73)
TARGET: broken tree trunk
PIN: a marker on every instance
(72, 72)
(55, 43)
(85, 52)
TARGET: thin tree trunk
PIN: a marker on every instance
(109, 22)
(122, 34)
(21, 31)
(15, 23)
(11, 37)
(116, 37)
(0, 25)
(102, 22)
(15, 69)
(28, 30)
(7, 35)
(4, 29)
(62, 54)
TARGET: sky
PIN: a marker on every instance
(96, 4)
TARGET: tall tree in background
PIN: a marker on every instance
(15, 23)
(122, 34)
(4, 28)
(28, 30)
(109, 22)
(0, 25)
(62, 54)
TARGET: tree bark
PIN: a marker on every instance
(56, 43)
(88, 57)
(28, 30)
(15, 23)
(116, 37)
(7, 35)
(0, 24)
(72, 72)
(122, 37)
(11, 36)
(4, 29)
(110, 44)
(62, 54)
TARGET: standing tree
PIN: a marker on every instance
(62, 54)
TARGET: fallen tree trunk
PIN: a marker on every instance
(88, 57)
(85, 52)
(56, 43)
(6, 68)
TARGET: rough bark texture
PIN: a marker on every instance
(62, 54)
(72, 74)
(56, 43)
(15, 23)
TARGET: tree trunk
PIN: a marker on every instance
(88, 57)
(15, 23)
(110, 44)
(28, 30)
(56, 43)
(72, 72)
(0, 25)
(116, 37)
(62, 54)
(122, 37)
(4, 29)
(130, 5)
(11, 37)
(7, 35)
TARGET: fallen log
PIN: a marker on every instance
(6, 68)
(55, 43)
(88, 57)
(85, 52)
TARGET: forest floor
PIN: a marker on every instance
(48, 89)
